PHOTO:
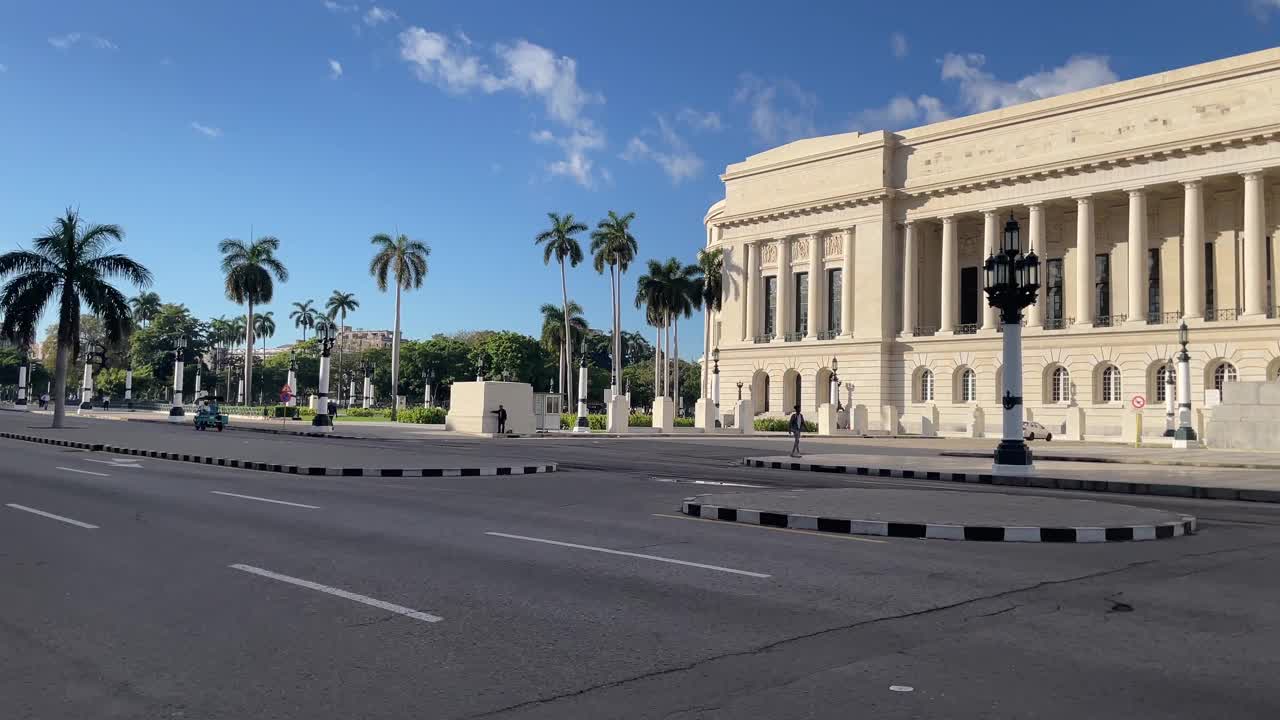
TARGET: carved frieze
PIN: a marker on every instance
(769, 253)
(800, 249)
(833, 244)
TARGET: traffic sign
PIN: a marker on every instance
(1138, 402)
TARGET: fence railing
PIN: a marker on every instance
(1215, 315)
(762, 339)
(1164, 318)
(967, 329)
(924, 330)
(1109, 320)
(793, 337)
(1055, 323)
(828, 334)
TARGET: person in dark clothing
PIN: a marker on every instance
(795, 428)
(501, 412)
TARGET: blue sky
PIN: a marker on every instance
(462, 124)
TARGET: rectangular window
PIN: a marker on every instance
(969, 296)
(1102, 285)
(1054, 290)
(835, 290)
(1153, 285)
(1210, 299)
(770, 306)
(1270, 272)
(802, 303)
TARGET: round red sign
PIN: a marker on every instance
(1139, 402)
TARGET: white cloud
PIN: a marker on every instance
(901, 112)
(62, 42)
(1262, 9)
(898, 44)
(337, 7)
(675, 157)
(779, 111)
(206, 130)
(377, 15)
(981, 90)
(4, 68)
(522, 67)
(699, 120)
(66, 42)
(335, 69)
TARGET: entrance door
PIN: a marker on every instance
(969, 296)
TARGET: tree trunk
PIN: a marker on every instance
(657, 360)
(666, 356)
(613, 353)
(617, 326)
(248, 357)
(568, 347)
(60, 384)
(339, 373)
(706, 353)
(395, 355)
(675, 361)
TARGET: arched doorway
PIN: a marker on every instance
(792, 390)
(822, 388)
(760, 392)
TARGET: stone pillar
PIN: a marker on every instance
(990, 231)
(21, 401)
(846, 280)
(128, 388)
(1084, 261)
(322, 419)
(1035, 242)
(817, 285)
(292, 381)
(750, 291)
(1255, 246)
(176, 410)
(782, 320)
(910, 258)
(1192, 250)
(1138, 257)
(950, 276)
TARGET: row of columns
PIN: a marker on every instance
(784, 310)
(1193, 301)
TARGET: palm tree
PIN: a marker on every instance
(612, 244)
(709, 290)
(338, 305)
(264, 326)
(249, 268)
(144, 307)
(652, 293)
(303, 316)
(406, 260)
(220, 337)
(70, 263)
(559, 242)
(683, 299)
(552, 337)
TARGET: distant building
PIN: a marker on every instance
(359, 339)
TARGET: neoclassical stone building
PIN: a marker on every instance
(1150, 201)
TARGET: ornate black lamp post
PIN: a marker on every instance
(583, 425)
(175, 411)
(1170, 393)
(1185, 436)
(739, 390)
(431, 381)
(292, 380)
(715, 380)
(322, 418)
(834, 392)
(1012, 280)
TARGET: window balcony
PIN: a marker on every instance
(793, 337)
(1167, 318)
(1055, 323)
(924, 330)
(967, 329)
(1109, 320)
(1215, 315)
(828, 334)
(1000, 326)
(762, 339)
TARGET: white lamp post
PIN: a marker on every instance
(196, 393)
(367, 399)
(292, 380)
(128, 388)
(322, 418)
(583, 425)
(24, 374)
(1185, 436)
(175, 409)
(1170, 390)
(1012, 283)
(86, 387)
(833, 392)
(715, 382)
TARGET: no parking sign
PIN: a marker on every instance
(1138, 402)
(286, 393)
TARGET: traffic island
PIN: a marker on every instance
(941, 515)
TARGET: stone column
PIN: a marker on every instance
(1192, 250)
(910, 258)
(1255, 246)
(990, 231)
(817, 285)
(1138, 257)
(846, 279)
(750, 270)
(1084, 261)
(782, 321)
(1035, 242)
(950, 276)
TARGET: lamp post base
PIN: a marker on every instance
(1185, 438)
(1013, 457)
(322, 420)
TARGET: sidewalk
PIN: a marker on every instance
(1136, 479)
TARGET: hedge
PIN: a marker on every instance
(774, 424)
(420, 415)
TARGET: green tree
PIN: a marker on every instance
(250, 268)
(70, 263)
(559, 241)
(553, 338)
(708, 291)
(338, 305)
(613, 245)
(264, 326)
(144, 307)
(152, 347)
(512, 355)
(405, 261)
(303, 316)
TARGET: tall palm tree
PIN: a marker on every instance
(236, 337)
(406, 261)
(559, 242)
(709, 290)
(249, 268)
(553, 324)
(338, 305)
(69, 263)
(612, 244)
(652, 293)
(303, 316)
(220, 337)
(144, 307)
(264, 326)
(683, 299)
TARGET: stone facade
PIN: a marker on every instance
(1149, 201)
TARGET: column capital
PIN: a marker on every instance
(1252, 174)
(1034, 205)
(1136, 189)
(1191, 181)
(1084, 198)
(986, 212)
(947, 219)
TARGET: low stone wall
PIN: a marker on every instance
(1247, 419)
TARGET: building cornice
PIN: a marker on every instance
(869, 197)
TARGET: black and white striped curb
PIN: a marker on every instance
(989, 533)
(292, 469)
(1202, 492)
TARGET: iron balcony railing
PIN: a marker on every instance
(1055, 323)
(1215, 315)
(1164, 318)
(1000, 326)
(924, 330)
(967, 329)
(793, 337)
(762, 339)
(828, 334)
(1109, 320)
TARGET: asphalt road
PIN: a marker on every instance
(182, 591)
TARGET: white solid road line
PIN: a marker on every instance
(389, 607)
(631, 554)
(51, 516)
(115, 463)
(82, 472)
(266, 500)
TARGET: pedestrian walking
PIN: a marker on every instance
(44, 401)
(795, 428)
(501, 412)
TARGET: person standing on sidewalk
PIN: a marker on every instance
(795, 428)
(501, 412)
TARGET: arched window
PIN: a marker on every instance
(1224, 373)
(1111, 384)
(1162, 382)
(968, 386)
(926, 386)
(1060, 385)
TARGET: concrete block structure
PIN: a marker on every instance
(1247, 419)
(1149, 201)
(472, 404)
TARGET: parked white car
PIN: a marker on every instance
(1032, 430)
